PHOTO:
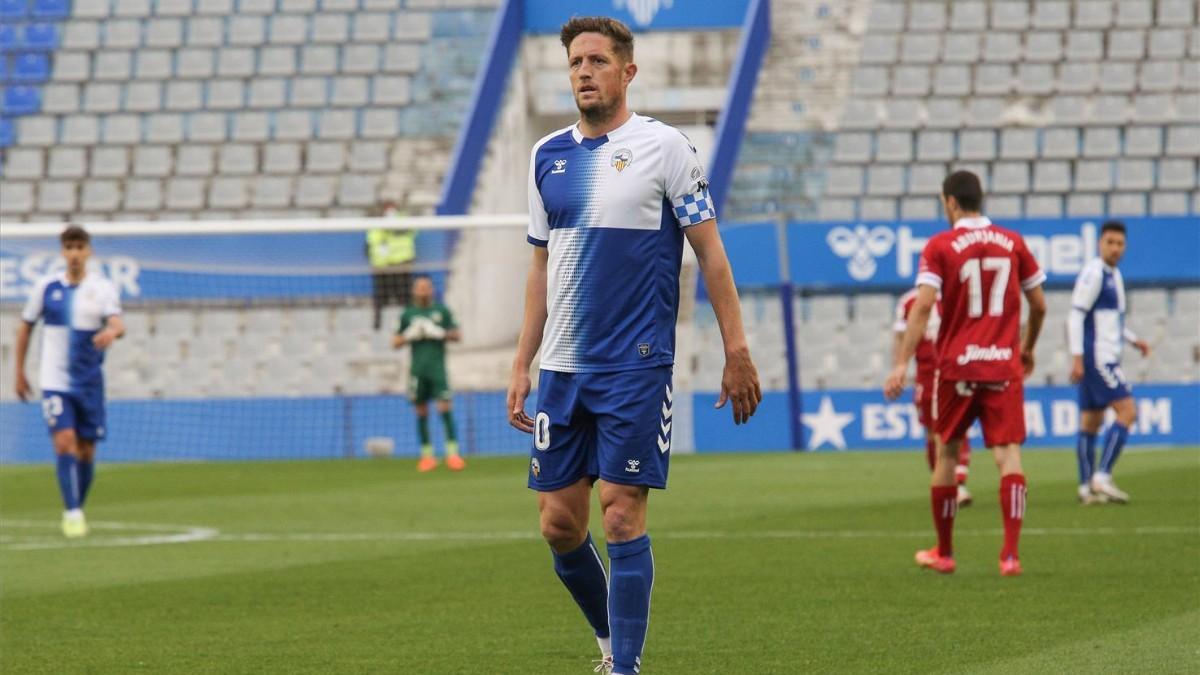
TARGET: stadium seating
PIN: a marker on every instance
(1006, 87)
(363, 81)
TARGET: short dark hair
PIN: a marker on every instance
(619, 33)
(1113, 226)
(75, 234)
(965, 188)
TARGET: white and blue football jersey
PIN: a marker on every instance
(71, 316)
(1096, 329)
(611, 212)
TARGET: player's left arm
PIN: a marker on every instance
(918, 319)
(114, 325)
(453, 332)
(114, 328)
(739, 382)
(1132, 338)
(1032, 277)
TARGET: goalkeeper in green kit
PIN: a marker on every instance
(428, 325)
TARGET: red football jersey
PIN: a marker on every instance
(981, 270)
(927, 347)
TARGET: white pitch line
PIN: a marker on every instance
(187, 534)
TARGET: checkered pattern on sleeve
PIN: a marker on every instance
(694, 208)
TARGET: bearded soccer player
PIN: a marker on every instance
(428, 325)
(923, 389)
(981, 270)
(611, 199)
(1096, 330)
(81, 316)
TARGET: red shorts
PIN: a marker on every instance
(999, 407)
(923, 399)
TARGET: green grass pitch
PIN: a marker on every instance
(765, 564)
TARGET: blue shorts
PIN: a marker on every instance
(611, 426)
(81, 411)
(1102, 386)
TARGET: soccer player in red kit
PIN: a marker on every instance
(923, 389)
(981, 270)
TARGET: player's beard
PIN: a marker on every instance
(598, 112)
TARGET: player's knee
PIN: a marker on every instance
(1008, 458)
(562, 532)
(621, 522)
(66, 444)
(1127, 415)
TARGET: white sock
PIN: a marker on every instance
(74, 513)
(605, 646)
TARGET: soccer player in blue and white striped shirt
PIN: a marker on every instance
(611, 200)
(1096, 331)
(80, 313)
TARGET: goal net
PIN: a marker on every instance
(260, 339)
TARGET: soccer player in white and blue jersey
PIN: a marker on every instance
(1096, 330)
(611, 199)
(81, 316)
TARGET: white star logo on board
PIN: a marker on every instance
(826, 425)
(643, 11)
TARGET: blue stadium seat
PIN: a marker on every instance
(51, 9)
(21, 100)
(6, 132)
(3, 69)
(13, 9)
(31, 68)
(8, 37)
(41, 36)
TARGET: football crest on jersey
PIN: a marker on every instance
(621, 158)
(644, 348)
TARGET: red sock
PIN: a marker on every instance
(1012, 509)
(931, 452)
(964, 462)
(945, 507)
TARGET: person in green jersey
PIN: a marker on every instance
(428, 325)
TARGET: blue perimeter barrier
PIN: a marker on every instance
(338, 426)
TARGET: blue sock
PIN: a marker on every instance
(68, 481)
(1085, 452)
(583, 574)
(86, 471)
(1114, 443)
(632, 566)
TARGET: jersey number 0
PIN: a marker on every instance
(541, 431)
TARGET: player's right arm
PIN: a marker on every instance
(929, 284)
(22, 346)
(900, 325)
(29, 317)
(1083, 298)
(918, 319)
(408, 331)
(534, 322)
(532, 327)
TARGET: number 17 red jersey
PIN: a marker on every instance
(981, 271)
